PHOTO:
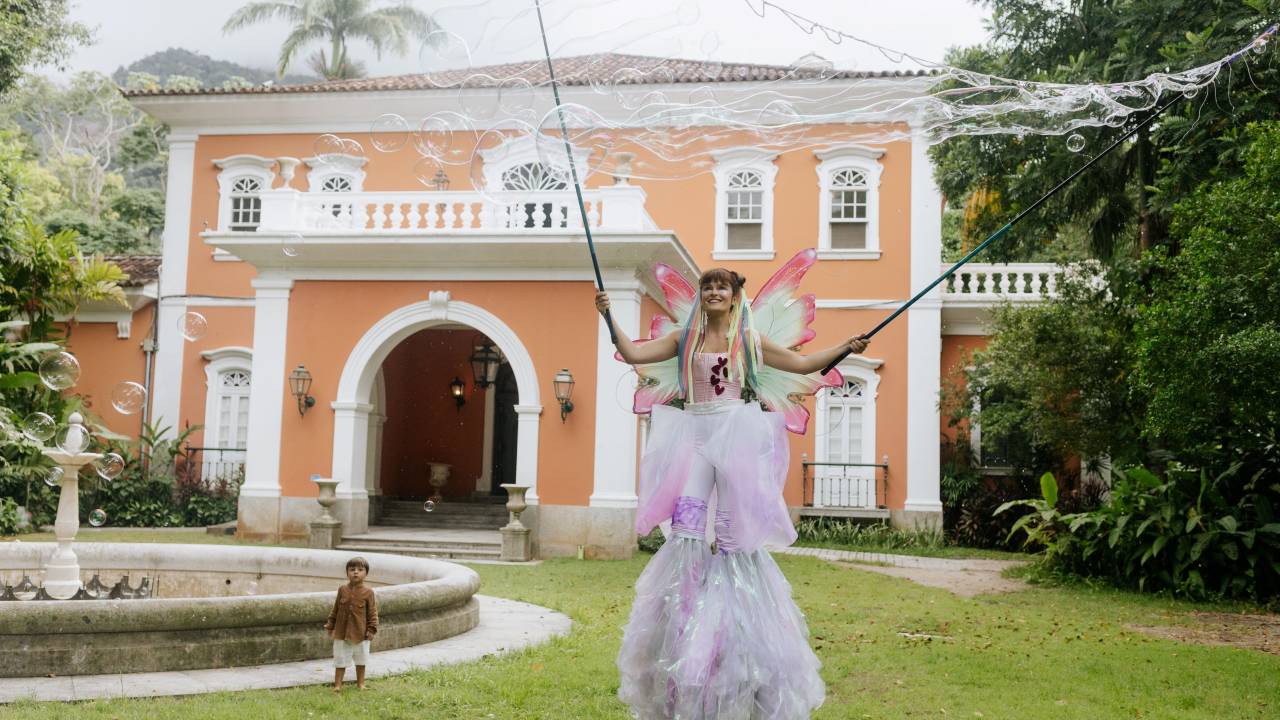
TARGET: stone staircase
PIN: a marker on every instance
(453, 515)
(455, 530)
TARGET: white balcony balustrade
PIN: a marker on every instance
(452, 212)
(989, 282)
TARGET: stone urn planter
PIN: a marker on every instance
(326, 530)
(516, 543)
(438, 477)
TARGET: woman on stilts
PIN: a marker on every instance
(714, 632)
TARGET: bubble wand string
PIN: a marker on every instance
(573, 170)
(1260, 40)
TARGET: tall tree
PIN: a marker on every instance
(35, 32)
(337, 22)
(1124, 203)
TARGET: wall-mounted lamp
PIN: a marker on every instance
(563, 384)
(484, 365)
(455, 391)
(440, 180)
(300, 383)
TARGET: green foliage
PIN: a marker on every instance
(1208, 337)
(36, 32)
(863, 536)
(1180, 533)
(159, 66)
(8, 516)
(1124, 201)
(652, 542)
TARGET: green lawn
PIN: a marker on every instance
(950, 551)
(1047, 653)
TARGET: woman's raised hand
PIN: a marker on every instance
(858, 344)
(602, 302)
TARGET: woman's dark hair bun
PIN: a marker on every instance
(739, 280)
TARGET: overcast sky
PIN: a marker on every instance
(505, 30)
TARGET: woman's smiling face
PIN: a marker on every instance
(717, 296)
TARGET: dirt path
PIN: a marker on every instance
(1256, 632)
(966, 578)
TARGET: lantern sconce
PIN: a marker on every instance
(563, 384)
(484, 365)
(456, 389)
(300, 384)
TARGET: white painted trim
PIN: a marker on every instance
(742, 254)
(266, 407)
(233, 168)
(965, 329)
(218, 361)
(199, 301)
(220, 255)
(924, 338)
(355, 386)
(166, 388)
(729, 162)
(863, 370)
(849, 157)
(614, 484)
(350, 167)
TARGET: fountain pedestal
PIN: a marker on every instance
(62, 572)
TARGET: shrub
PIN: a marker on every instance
(8, 516)
(876, 536)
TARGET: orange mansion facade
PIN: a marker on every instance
(384, 291)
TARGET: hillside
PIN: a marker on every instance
(210, 72)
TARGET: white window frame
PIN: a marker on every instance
(219, 362)
(863, 371)
(350, 167)
(865, 160)
(234, 168)
(728, 163)
(522, 151)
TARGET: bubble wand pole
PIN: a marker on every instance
(1001, 232)
(573, 169)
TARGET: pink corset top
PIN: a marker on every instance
(710, 381)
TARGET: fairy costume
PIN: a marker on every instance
(716, 635)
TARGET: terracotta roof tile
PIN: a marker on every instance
(605, 68)
(141, 269)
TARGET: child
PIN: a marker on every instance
(715, 634)
(352, 623)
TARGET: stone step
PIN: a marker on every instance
(446, 507)
(426, 550)
(446, 545)
(442, 520)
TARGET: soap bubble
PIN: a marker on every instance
(351, 146)
(291, 245)
(73, 439)
(59, 371)
(427, 170)
(429, 506)
(110, 466)
(327, 147)
(437, 132)
(39, 427)
(53, 476)
(1191, 92)
(128, 397)
(389, 133)
(97, 517)
(1075, 143)
(192, 325)
(445, 59)
(515, 95)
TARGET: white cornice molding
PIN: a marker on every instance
(851, 150)
(244, 161)
(226, 353)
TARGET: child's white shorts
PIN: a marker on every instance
(347, 653)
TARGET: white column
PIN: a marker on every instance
(485, 482)
(267, 393)
(924, 337)
(166, 388)
(374, 454)
(527, 419)
(352, 420)
(615, 434)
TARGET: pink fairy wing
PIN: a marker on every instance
(787, 280)
(657, 384)
(779, 391)
(779, 312)
(680, 295)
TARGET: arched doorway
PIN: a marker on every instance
(355, 415)
(506, 394)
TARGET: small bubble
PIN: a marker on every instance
(429, 506)
(1075, 143)
(128, 397)
(389, 133)
(53, 478)
(39, 427)
(98, 517)
(110, 466)
(327, 147)
(192, 325)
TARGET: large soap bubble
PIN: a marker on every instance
(59, 371)
(192, 326)
(128, 398)
(109, 466)
(39, 427)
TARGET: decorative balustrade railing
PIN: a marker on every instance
(451, 212)
(1012, 281)
(845, 485)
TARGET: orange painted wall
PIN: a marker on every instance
(955, 351)
(106, 361)
(424, 423)
(554, 320)
(227, 326)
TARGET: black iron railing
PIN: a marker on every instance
(845, 485)
(214, 466)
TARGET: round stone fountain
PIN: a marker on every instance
(207, 606)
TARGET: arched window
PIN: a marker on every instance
(226, 415)
(848, 210)
(536, 177)
(744, 204)
(232, 430)
(337, 183)
(845, 442)
(246, 203)
(849, 220)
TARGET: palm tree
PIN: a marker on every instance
(337, 21)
